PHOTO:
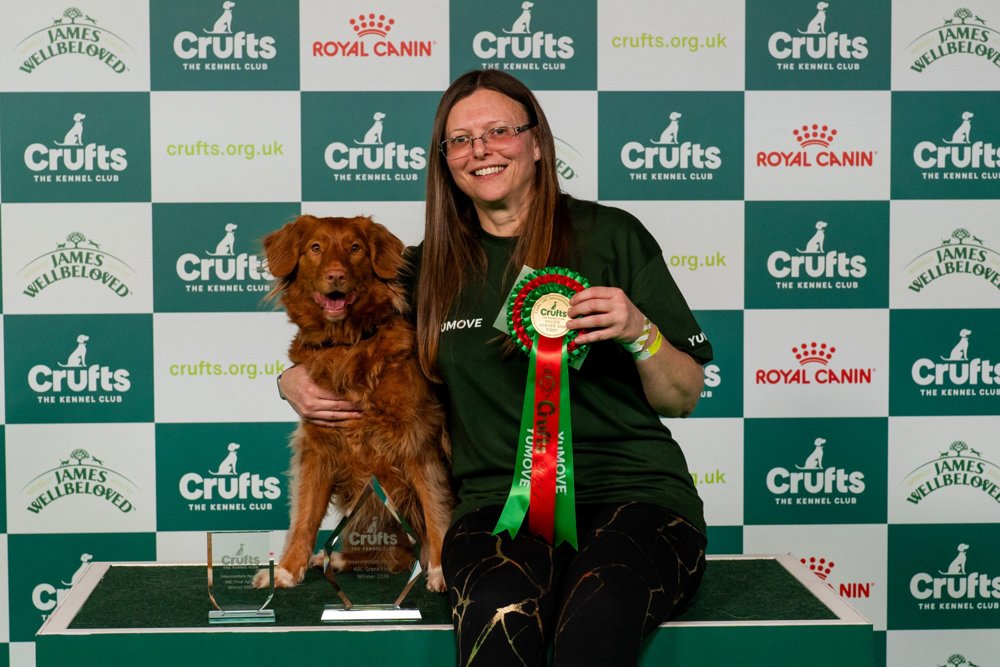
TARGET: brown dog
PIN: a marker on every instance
(337, 278)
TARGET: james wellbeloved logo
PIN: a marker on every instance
(364, 145)
(75, 147)
(546, 43)
(676, 146)
(814, 149)
(815, 365)
(79, 475)
(77, 258)
(228, 45)
(964, 33)
(962, 255)
(957, 660)
(235, 482)
(815, 471)
(74, 33)
(947, 365)
(207, 257)
(803, 44)
(373, 36)
(959, 465)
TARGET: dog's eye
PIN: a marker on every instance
(315, 247)
(355, 247)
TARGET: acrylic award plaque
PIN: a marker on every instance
(372, 560)
(234, 558)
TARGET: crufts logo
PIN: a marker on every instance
(373, 537)
(955, 374)
(812, 483)
(221, 43)
(71, 261)
(81, 474)
(66, 36)
(241, 491)
(962, 253)
(960, 465)
(71, 154)
(239, 558)
(519, 42)
(819, 135)
(954, 588)
(46, 597)
(77, 382)
(373, 155)
(964, 33)
(371, 39)
(815, 43)
(222, 269)
(959, 154)
(809, 355)
(670, 158)
(823, 269)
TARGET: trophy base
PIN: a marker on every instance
(241, 616)
(361, 613)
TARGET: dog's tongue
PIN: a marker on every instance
(335, 305)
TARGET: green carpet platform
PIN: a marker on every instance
(768, 611)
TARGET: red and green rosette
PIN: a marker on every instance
(537, 312)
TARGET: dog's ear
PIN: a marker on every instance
(386, 251)
(282, 246)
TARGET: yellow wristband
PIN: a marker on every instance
(652, 349)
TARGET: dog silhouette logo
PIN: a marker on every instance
(961, 133)
(815, 460)
(961, 350)
(817, 26)
(78, 575)
(228, 466)
(224, 24)
(669, 134)
(78, 357)
(74, 137)
(957, 566)
(225, 247)
(815, 244)
(373, 137)
(522, 24)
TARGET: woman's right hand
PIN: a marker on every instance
(314, 404)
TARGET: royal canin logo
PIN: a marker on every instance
(807, 356)
(370, 39)
(808, 136)
(822, 568)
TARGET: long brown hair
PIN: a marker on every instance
(451, 256)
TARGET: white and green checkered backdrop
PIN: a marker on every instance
(823, 180)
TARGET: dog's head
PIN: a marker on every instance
(822, 6)
(967, 115)
(820, 224)
(228, 4)
(675, 115)
(963, 547)
(233, 446)
(819, 442)
(82, 338)
(965, 333)
(77, 117)
(527, 5)
(231, 227)
(378, 116)
(336, 270)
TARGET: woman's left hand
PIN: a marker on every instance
(604, 313)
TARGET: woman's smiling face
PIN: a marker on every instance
(493, 178)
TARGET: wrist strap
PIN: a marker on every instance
(635, 347)
(652, 349)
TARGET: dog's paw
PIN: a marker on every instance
(435, 580)
(316, 561)
(282, 579)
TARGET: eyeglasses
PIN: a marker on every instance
(496, 137)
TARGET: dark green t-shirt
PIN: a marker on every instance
(621, 448)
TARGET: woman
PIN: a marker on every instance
(493, 206)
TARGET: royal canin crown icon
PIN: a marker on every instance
(813, 353)
(372, 24)
(814, 135)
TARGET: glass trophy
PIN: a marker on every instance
(234, 558)
(372, 560)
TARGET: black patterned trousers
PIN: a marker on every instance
(515, 599)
